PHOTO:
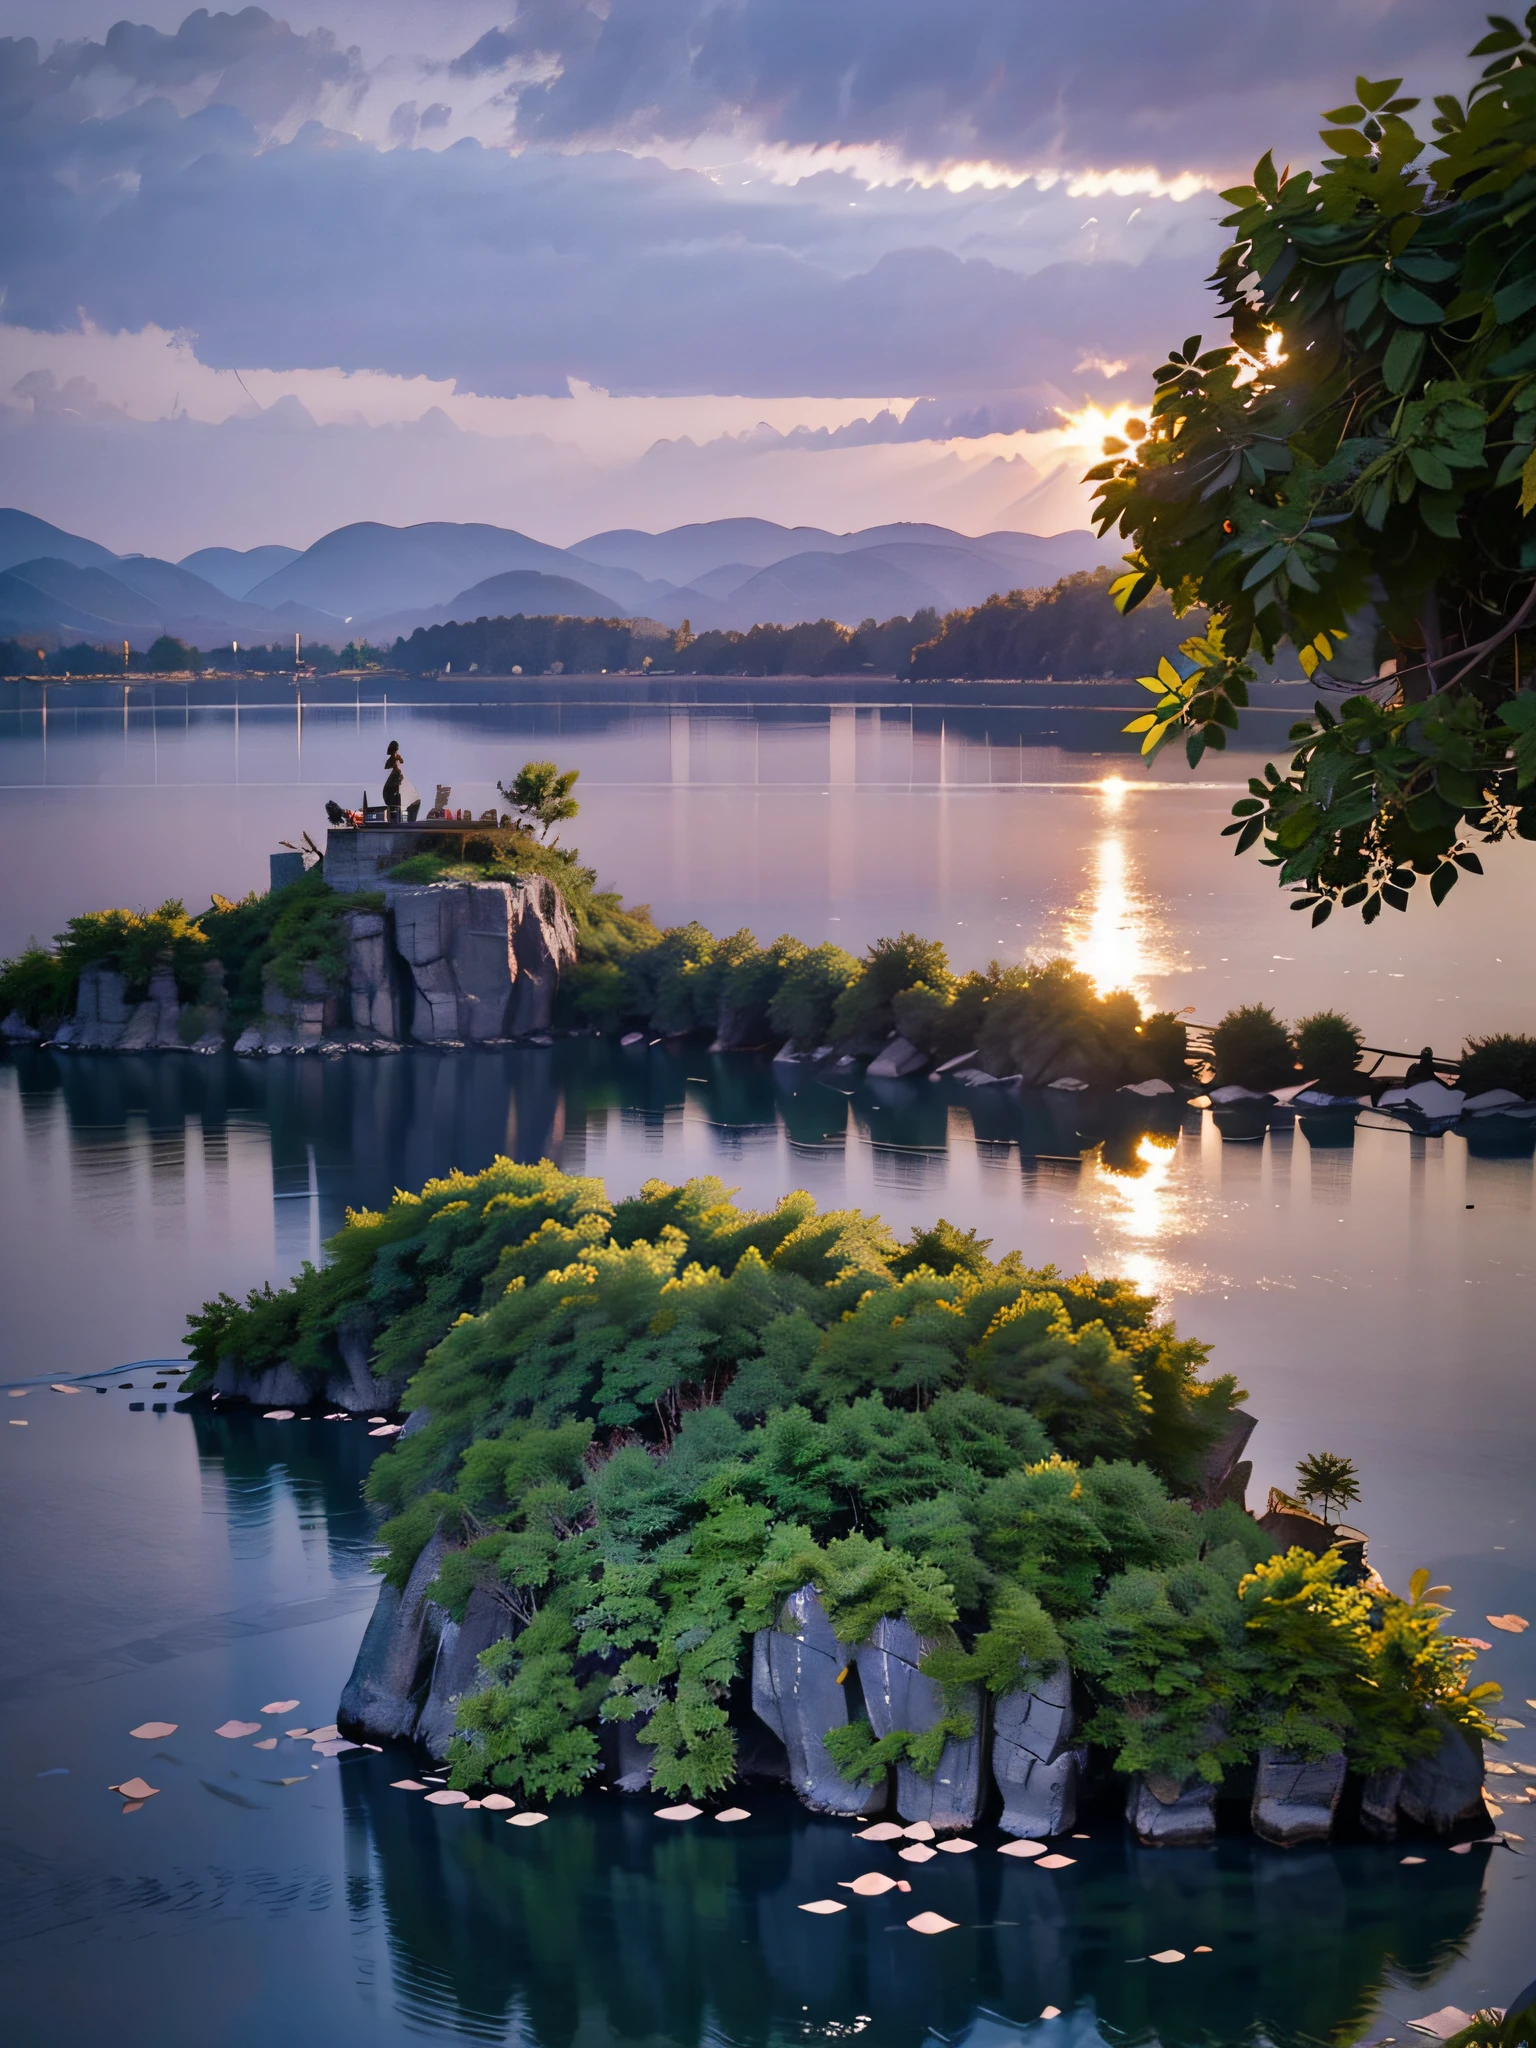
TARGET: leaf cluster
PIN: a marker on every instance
(1353, 472)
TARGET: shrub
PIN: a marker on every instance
(1328, 1049)
(1165, 1047)
(1253, 1049)
(804, 1002)
(863, 1012)
(1503, 1060)
(34, 987)
(136, 943)
(747, 985)
(168, 656)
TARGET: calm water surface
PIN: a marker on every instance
(1373, 1297)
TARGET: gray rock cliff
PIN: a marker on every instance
(1294, 1800)
(484, 958)
(795, 1692)
(384, 1696)
(897, 1694)
(1033, 1762)
(1166, 1815)
(456, 1666)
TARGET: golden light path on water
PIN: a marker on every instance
(1116, 935)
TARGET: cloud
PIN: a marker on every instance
(1031, 83)
(514, 273)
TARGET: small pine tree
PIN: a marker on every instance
(1332, 1480)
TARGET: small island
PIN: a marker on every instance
(689, 1494)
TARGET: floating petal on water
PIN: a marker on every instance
(1050, 2012)
(919, 1852)
(824, 1906)
(270, 1743)
(1167, 1955)
(279, 1706)
(882, 1831)
(1512, 1624)
(931, 1923)
(498, 1802)
(1021, 1849)
(526, 1820)
(447, 1798)
(957, 1846)
(870, 1885)
(1054, 1862)
(406, 1785)
(678, 1812)
(278, 1415)
(919, 1831)
(233, 1730)
(135, 1788)
(154, 1731)
(734, 1813)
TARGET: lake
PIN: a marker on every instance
(174, 1565)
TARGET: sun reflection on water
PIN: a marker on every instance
(1113, 929)
(1142, 1207)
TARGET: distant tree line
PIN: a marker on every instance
(1071, 630)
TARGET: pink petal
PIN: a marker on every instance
(882, 1831)
(232, 1731)
(153, 1731)
(1055, 1862)
(919, 1852)
(931, 1923)
(824, 1906)
(279, 1706)
(526, 1820)
(1021, 1849)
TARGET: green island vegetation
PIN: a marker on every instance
(630, 974)
(1070, 630)
(1354, 472)
(648, 1421)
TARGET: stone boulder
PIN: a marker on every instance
(15, 1027)
(1447, 1787)
(796, 1693)
(352, 1387)
(897, 1694)
(1379, 1798)
(155, 1025)
(292, 1022)
(1034, 1764)
(383, 1698)
(1164, 1814)
(896, 1059)
(279, 1386)
(456, 1666)
(102, 1012)
(372, 977)
(484, 957)
(1295, 1799)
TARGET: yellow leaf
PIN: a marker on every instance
(1528, 485)
(1154, 738)
(1171, 679)
(1141, 724)
(1152, 683)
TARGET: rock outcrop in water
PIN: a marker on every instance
(484, 958)
(799, 1678)
(897, 1694)
(1034, 1764)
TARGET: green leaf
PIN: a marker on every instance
(1408, 303)
(1429, 469)
(1516, 361)
(1439, 513)
(1528, 485)
(1347, 141)
(1442, 881)
(1339, 114)
(1403, 357)
(1374, 96)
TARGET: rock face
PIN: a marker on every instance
(1226, 1471)
(1166, 1815)
(1440, 1790)
(484, 957)
(1294, 1800)
(897, 1058)
(384, 1696)
(1379, 1798)
(301, 1019)
(101, 1012)
(795, 1691)
(373, 983)
(16, 1028)
(456, 1667)
(1033, 1762)
(898, 1695)
(354, 1387)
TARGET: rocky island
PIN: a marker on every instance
(688, 1494)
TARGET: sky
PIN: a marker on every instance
(572, 264)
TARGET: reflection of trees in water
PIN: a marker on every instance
(321, 1465)
(609, 1926)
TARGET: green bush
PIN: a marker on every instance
(136, 943)
(1253, 1049)
(863, 1014)
(34, 986)
(1502, 1060)
(1328, 1049)
(802, 1006)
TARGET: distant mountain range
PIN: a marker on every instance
(373, 582)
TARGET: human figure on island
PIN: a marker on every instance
(400, 795)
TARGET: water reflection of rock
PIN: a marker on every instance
(607, 1926)
(256, 1464)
